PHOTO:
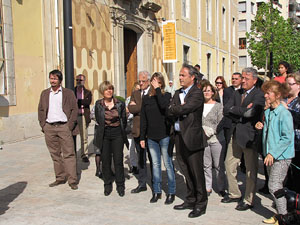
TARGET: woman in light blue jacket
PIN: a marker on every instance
(278, 141)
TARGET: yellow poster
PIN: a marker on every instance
(169, 41)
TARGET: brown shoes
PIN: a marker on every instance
(73, 186)
(57, 182)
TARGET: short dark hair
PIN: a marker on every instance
(57, 73)
(82, 75)
(192, 71)
(237, 73)
(197, 65)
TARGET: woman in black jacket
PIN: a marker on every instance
(110, 136)
(155, 128)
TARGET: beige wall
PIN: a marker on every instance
(28, 52)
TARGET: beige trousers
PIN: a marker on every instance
(83, 135)
(60, 143)
(232, 161)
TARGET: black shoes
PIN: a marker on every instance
(121, 190)
(183, 206)
(227, 199)
(57, 182)
(196, 213)
(85, 159)
(222, 193)
(242, 206)
(138, 190)
(107, 189)
(121, 193)
(134, 170)
(99, 173)
(155, 197)
(170, 199)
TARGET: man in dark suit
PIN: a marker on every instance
(57, 114)
(186, 108)
(236, 80)
(134, 107)
(84, 99)
(244, 108)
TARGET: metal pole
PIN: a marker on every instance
(68, 44)
(271, 51)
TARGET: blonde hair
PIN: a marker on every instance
(278, 88)
(105, 85)
(296, 77)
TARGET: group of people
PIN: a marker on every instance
(212, 127)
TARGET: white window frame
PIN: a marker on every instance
(208, 16)
(8, 95)
(186, 9)
(224, 23)
(233, 31)
(240, 29)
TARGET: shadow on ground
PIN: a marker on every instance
(9, 194)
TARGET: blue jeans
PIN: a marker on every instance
(158, 148)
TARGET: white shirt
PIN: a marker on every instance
(207, 108)
(55, 111)
(145, 91)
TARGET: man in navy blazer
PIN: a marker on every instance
(245, 109)
(186, 108)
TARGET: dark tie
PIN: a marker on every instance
(243, 97)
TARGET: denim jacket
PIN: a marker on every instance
(278, 133)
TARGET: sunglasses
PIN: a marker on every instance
(219, 83)
(78, 80)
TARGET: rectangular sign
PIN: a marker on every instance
(169, 41)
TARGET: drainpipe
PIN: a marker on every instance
(68, 44)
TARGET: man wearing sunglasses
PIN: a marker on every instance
(84, 99)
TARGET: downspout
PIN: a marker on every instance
(68, 44)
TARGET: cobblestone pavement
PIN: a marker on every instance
(25, 197)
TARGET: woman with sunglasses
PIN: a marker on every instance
(220, 85)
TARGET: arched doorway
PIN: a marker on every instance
(130, 59)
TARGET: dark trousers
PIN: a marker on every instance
(113, 144)
(142, 162)
(293, 176)
(191, 166)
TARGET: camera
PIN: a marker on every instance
(293, 207)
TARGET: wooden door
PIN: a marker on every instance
(130, 57)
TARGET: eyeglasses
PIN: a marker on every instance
(219, 83)
(78, 80)
(292, 84)
(143, 81)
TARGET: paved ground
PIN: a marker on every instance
(25, 198)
